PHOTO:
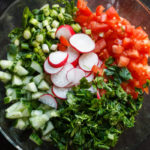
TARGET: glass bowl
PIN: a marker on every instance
(134, 11)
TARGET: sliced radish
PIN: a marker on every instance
(70, 85)
(98, 94)
(99, 63)
(87, 61)
(49, 69)
(57, 59)
(66, 31)
(90, 78)
(75, 75)
(60, 92)
(82, 43)
(48, 100)
(87, 74)
(73, 56)
(60, 79)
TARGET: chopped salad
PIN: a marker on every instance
(76, 78)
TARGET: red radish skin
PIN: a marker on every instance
(87, 61)
(75, 75)
(98, 94)
(90, 78)
(82, 43)
(58, 59)
(49, 69)
(73, 56)
(65, 31)
(49, 100)
(60, 93)
(70, 85)
(87, 73)
(60, 79)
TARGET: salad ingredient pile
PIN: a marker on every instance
(76, 78)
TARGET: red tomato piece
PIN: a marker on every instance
(64, 41)
(81, 4)
(99, 10)
(104, 54)
(102, 18)
(123, 61)
(81, 19)
(133, 53)
(98, 27)
(100, 44)
(127, 42)
(111, 12)
(86, 11)
(97, 70)
(61, 47)
(117, 49)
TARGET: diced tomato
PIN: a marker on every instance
(99, 10)
(146, 90)
(61, 47)
(81, 19)
(95, 36)
(129, 29)
(104, 54)
(81, 4)
(98, 27)
(118, 41)
(127, 42)
(111, 12)
(86, 11)
(117, 49)
(64, 41)
(100, 44)
(102, 18)
(132, 53)
(123, 61)
(97, 70)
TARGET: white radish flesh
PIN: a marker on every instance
(60, 92)
(51, 70)
(87, 61)
(48, 100)
(90, 78)
(99, 63)
(60, 79)
(65, 31)
(82, 43)
(57, 59)
(75, 75)
(73, 56)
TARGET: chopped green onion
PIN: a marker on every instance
(27, 34)
(25, 46)
(60, 16)
(48, 27)
(76, 27)
(40, 38)
(35, 138)
(45, 48)
(45, 23)
(17, 42)
(54, 47)
(53, 36)
(34, 22)
(55, 6)
(35, 44)
(55, 24)
(53, 13)
(88, 31)
(62, 10)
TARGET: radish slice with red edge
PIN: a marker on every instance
(73, 56)
(82, 43)
(75, 75)
(60, 93)
(98, 94)
(65, 31)
(87, 61)
(70, 85)
(49, 69)
(90, 78)
(57, 59)
(49, 100)
(60, 79)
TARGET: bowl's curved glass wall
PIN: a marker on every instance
(130, 9)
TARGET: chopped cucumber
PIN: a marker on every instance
(37, 95)
(38, 121)
(11, 95)
(10, 57)
(21, 71)
(16, 81)
(43, 85)
(36, 66)
(48, 128)
(27, 80)
(47, 138)
(35, 138)
(35, 113)
(52, 113)
(37, 79)
(22, 124)
(5, 77)
(31, 87)
(18, 110)
(6, 64)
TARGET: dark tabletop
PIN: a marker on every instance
(5, 145)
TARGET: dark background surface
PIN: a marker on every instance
(5, 145)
